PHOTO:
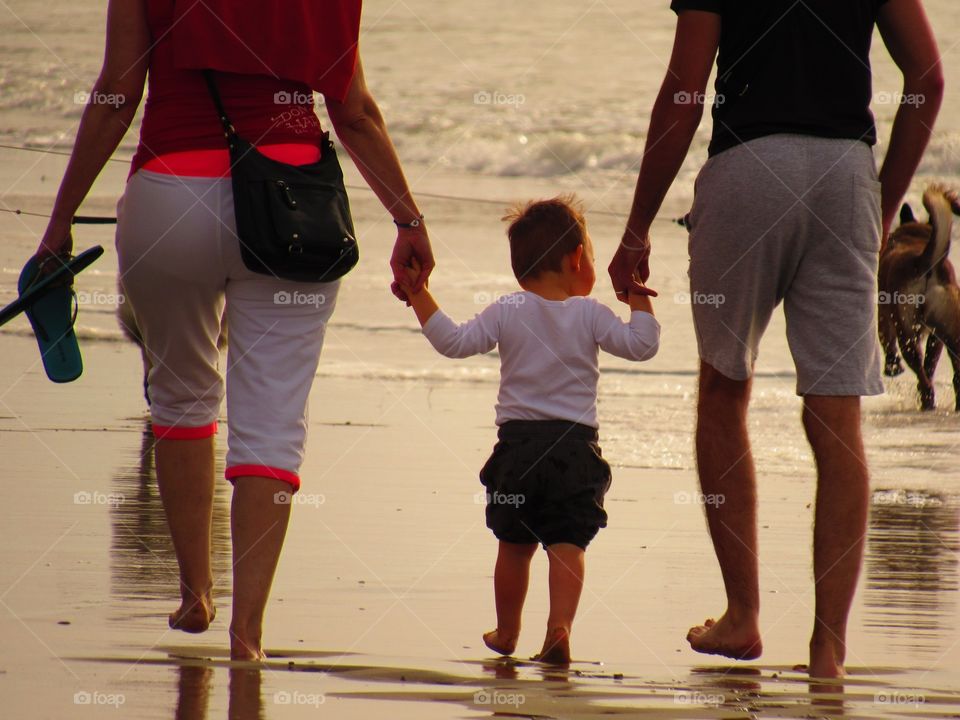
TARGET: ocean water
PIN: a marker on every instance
(502, 89)
(501, 100)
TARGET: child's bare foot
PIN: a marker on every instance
(826, 658)
(556, 647)
(195, 613)
(724, 637)
(500, 642)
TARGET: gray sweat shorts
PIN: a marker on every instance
(792, 219)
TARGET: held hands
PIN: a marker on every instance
(639, 300)
(411, 262)
(630, 267)
(408, 283)
(420, 298)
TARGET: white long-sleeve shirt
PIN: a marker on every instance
(548, 351)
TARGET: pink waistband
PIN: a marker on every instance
(216, 163)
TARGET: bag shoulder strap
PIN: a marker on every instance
(229, 130)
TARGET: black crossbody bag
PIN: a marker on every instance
(293, 221)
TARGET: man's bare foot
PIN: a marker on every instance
(556, 647)
(500, 642)
(195, 613)
(723, 637)
(826, 658)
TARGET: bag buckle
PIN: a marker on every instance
(295, 248)
(286, 194)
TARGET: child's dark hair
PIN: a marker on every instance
(542, 233)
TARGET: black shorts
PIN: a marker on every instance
(545, 483)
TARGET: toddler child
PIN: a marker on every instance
(545, 480)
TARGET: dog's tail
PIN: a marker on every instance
(942, 204)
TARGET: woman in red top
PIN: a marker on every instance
(180, 263)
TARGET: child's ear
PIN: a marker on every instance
(576, 257)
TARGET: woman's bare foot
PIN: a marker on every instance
(556, 647)
(500, 642)
(724, 637)
(826, 658)
(247, 655)
(244, 646)
(195, 613)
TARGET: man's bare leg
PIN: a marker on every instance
(725, 465)
(843, 498)
(511, 577)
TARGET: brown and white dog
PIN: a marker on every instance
(919, 296)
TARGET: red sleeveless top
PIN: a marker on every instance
(310, 41)
(179, 115)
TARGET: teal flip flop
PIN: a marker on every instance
(49, 302)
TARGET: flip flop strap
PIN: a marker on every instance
(63, 258)
(42, 332)
(76, 308)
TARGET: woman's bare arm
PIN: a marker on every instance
(112, 106)
(363, 132)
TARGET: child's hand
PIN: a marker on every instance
(411, 273)
(420, 300)
(639, 301)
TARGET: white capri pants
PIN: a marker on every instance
(179, 263)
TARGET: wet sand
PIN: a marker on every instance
(385, 589)
(385, 585)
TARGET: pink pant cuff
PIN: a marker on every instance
(291, 478)
(175, 432)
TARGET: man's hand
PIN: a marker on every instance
(412, 246)
(630, 267)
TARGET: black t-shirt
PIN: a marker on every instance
(791, 67)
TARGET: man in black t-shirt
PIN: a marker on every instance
(788, 209)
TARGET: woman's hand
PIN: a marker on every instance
(412, 250)
(57, 240)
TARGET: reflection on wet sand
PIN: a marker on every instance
(911, 569)
(296, 683)
(193, 693)
(826, 699)
(732, 688)
(142, 561)
(246, 701)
